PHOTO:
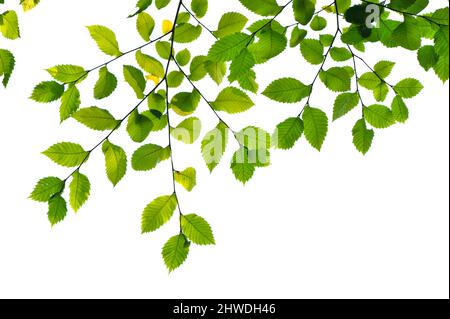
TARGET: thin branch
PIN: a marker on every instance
(198, 21)
(203, 97)
(315, 13)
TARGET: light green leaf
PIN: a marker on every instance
(175, 252)
(318, 23)
(229, 47)
(232, 100)
(241, 65)
(312, 50)
(96, 118)
(186, 33)
(141, 6)
(187, 178)
(139, 126)
(216, 70)
(145, 25)
(379, 116)
(185, 103)
(135, 79)
(150, 64)
(80, 188)
(254, 138)
(262, 7)
(408, 88)
(427, 57)
(369, 81)
(336, 79)
(7, 63)
(340, 54)
(199, 7)
(316, 126)
(105, 39)
(115, 162)
(270, 44)
(46, 188)
(66, 154)
(214, 144)
(67, 73)
(287, 90)
(162, 3)
(187, 131)
(399, 110)
(147, 157)
(197, 229)
(9, 25)
(384, 68)
(105, 85)
(158, 212)
(344, 103)
(70, 102)
(230, 23)
(46, 92)
(304, 10)
(183, 57)
(287, 133)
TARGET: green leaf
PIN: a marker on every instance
(197, 68)
(344, 103)
(384, 68)
(115, 162)
(199, 7)
(185, 103)
(158, 212)
(105, 85)
(297, 36)
(67, 73)
(399, 110)
(183, 57)
(245, 162)
(28, 4)
(197, 229)
(304, 10)
(270, 44)
(287, 133)
(70, 102)
(340, 54)
(362, 136)
(186, 33)
(316, 126)
(57, 210)
(80, 188)
(254, 138)
(318, 23)
(214, 144)
(242, 170)
(407, 34)
(241, 65)
(135, 79)
(139, 127)
(427, 57)
(248, 82)
(216, 70)
(381, 92)
(150, 64)
(229, 47)
(262, 7)
(46, 188)
(147, 157)
(9, 25)
(369, 81)
(7, 63)
(287, 90)
(336, 79)
(312, 51)
(230, 23)
(162, 3)
(141, 6)
(408, 88)
(46, 92)
(145, 25)
(175, 79)
(163, 49)
(187, 178)
(66, 154)
(187, 131)
(96, 118)
(232, 100)
(379, 116)
(105, 39)
(175, 252)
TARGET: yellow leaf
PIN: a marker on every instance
(153, 78)
(167, 26)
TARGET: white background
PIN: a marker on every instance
(333, 224)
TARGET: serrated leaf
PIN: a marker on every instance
(384, 68)
(312, 50)
(214, 144)
(158, 212)
(230, 23)
(67, 154)
(67, 73)
(9, 25)
(408, 88)
(187, 131)
(141, 6)
(115, 162)
(187, 178)
(135, 78)
(57, 210)
(139, 127)
(199, 7)
(7, 63)
(287, 90)
(336, 79)
(316, 126)
(150, 64)
(229, 47)
(287, 133)
(269, 45)
(232, 100)
(80, 188)
(96, 118)
(344, 103)
(105, 39)
(253, 138)
(362, 136)
(399, 110)
(147, 157)
(186, 33)
(427, 57)
(304, 10)
(48, 91)
(70, 102)
(379, 116)
(216, 70)
(262, 7)
(105, 85)
(145, 25)
(197, 229)
(46, 188)
(175, 252)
